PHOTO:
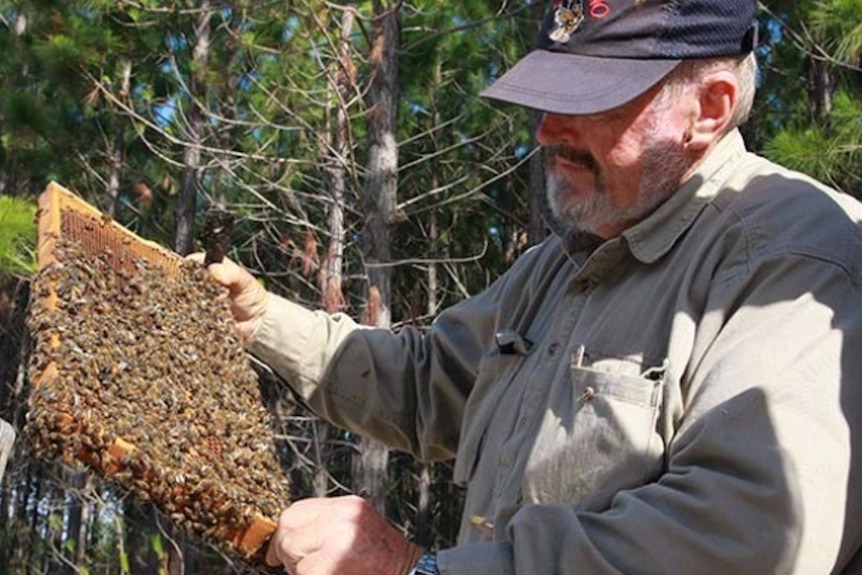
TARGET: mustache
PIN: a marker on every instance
(572, 155)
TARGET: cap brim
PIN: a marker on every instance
(566, 83)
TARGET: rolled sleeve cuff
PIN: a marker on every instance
(493, 558)
(282, 338)
(298, 343)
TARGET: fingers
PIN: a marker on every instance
(314, 565)
(339, 535)
(248, 298)
(302, 531)
(297, 534)
(225, 272)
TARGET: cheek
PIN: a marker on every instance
(626, 154)
(624, 158)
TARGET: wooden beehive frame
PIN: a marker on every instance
(124, 246)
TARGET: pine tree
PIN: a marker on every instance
(816, 119)
(17, 237)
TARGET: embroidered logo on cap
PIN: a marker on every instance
(568, 15)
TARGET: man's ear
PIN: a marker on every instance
(716, 100)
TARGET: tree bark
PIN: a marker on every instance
(118, 153)
(424, 523)
(195, 120)
(380, 196)
(819, 89)
(433, 231)
(75, 540)
(382, 169)
(540, 218)
(539, 210)
(7, 440)
(335, 154)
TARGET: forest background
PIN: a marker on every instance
(368, 176)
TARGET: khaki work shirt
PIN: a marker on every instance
(684, 398)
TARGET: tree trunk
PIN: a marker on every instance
(539, 209)
(195, 121)
(335, 154)
(140, 526)
(380, 196)
(27, 554)
(819, 89)
(433, 231)
(382, 169)
(7, 440)
(52, 561)
(369, 472)
(424, 523)
(433, 252)
(118, 153)
(75, 540)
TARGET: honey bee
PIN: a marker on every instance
(152, 358)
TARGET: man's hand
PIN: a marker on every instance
(248, 299)
(339, 536)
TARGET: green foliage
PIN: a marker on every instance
(124, 562)
(832, 154)
(17, 236)
(157, 545)
(839, 24)
(277, 77)
(23, 112)
(810, 125)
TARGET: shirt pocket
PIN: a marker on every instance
(598, 435)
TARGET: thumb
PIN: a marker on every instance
(226, 272)
(223, 275)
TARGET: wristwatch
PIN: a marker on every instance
(427, 565)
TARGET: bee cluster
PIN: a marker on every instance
(152, 357)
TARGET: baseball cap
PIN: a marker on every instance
(594, 55)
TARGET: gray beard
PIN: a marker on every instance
(664, 165)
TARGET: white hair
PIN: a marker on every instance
(692, 71)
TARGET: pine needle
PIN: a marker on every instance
(18, 233)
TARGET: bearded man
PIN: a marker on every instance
(669, 384)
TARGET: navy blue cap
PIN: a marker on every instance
(594, 55)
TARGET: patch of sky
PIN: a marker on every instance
(417, 108)
(165, 112)
(176, 42)
(290, 29)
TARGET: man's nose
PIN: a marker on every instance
(555, 129)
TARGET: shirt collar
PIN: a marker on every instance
(652, 238)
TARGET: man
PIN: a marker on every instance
(670, 385)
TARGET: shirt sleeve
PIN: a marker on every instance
(758, 476)
(406, 389)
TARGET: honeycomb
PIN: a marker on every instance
(138, 374)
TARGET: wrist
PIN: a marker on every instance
(411, 558)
